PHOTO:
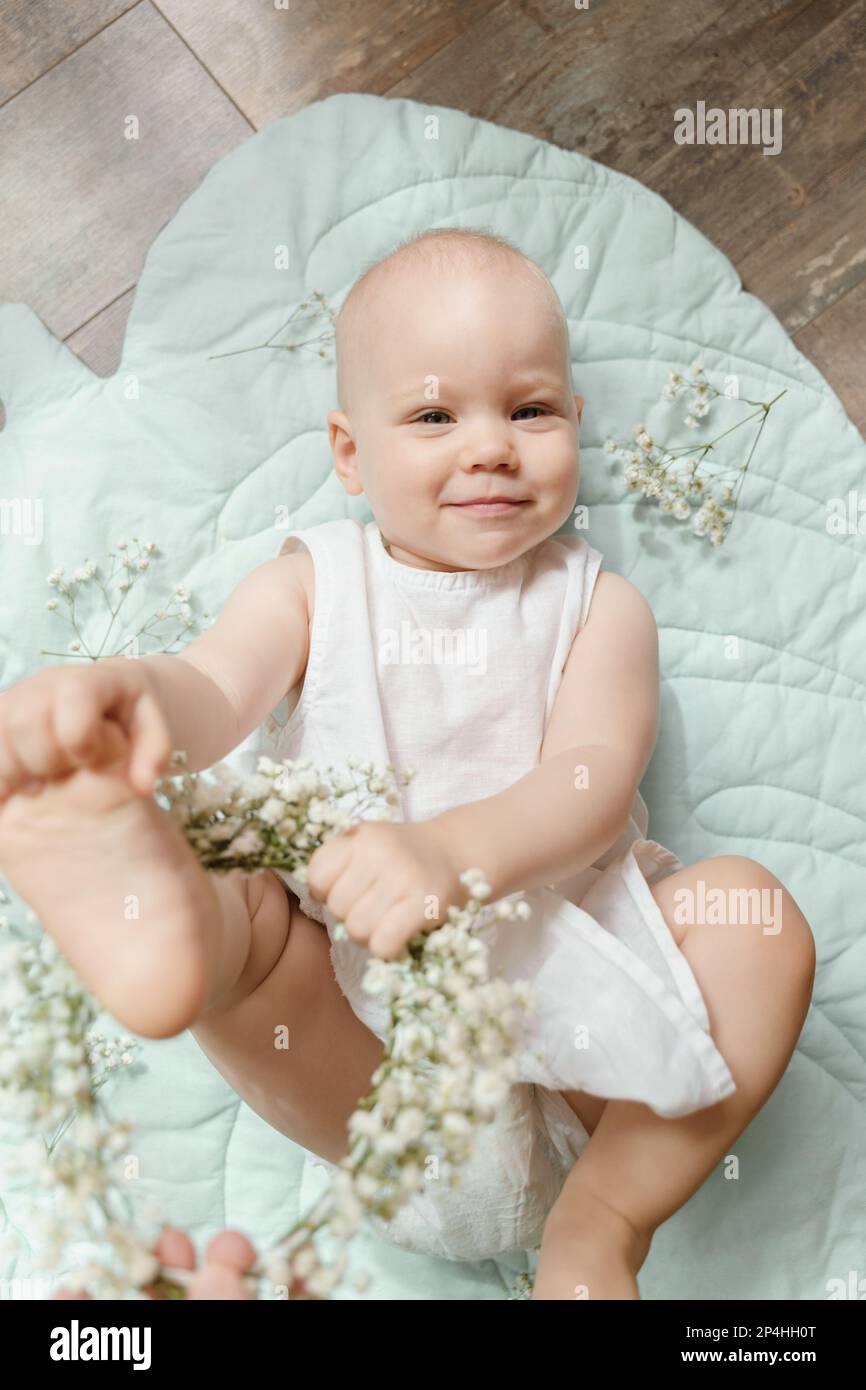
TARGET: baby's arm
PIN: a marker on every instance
(567, 811)
(224, 684)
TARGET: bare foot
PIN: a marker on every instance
(112, 878)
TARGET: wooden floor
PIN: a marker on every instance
(82, 204)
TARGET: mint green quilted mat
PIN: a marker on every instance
(210, 450)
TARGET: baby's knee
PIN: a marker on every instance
(758, 898)
(738, 899)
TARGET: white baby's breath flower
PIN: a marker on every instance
(272, 811)
(247, 843)
(377, 977)
(410, 1124)
(267, 765)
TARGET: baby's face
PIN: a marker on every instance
(461, 389)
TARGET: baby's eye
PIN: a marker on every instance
(425, 418)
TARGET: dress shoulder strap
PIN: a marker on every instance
(584, 564)
(337, 551)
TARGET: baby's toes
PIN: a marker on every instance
(218, 1282)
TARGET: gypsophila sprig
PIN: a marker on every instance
(447, 1066)
(53, 1064)
(320, 308)
(278, 817)
(111, 583)
(676, 477)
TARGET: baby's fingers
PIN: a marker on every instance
(219, 1282)
(174, 1247)
(227, 1258)
(151, 743)
(27, 745)
(83, 736)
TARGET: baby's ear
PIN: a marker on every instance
(338, 427)
(345, 452)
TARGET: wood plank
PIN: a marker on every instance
(792, 223)
(777, 216)
(607, 80)
(33, 37)
(801, 266)
(836, 342)
(88, 201)
(585, 80)
(99, 343)
(274, 61)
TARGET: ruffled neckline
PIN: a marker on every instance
(409, 576)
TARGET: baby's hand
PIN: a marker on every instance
(221, 1276)
(387, 881)
(227, 1259)
(61, 719)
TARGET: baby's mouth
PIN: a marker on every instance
(494, 506)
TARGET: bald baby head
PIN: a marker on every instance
(444, 253)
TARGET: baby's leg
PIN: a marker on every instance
(285, 1037)
(638, 1168)
(165, 946)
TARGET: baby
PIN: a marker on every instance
(661, 1034)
